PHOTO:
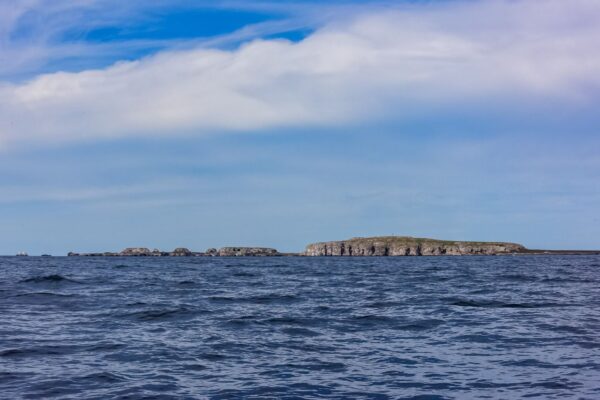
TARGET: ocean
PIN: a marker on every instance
(466, 327)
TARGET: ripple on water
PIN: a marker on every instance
(163, 314)
(499, 304)
(39, 351)
(300, 332)
(273, 298)
(44, 295)
(54, 278)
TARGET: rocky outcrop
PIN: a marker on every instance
(212, 252)
(138, 252)
(105, 254)
(408, 246)
(145, 252)
(244, 252)
(181, 252)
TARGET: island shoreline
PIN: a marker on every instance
(379, 246)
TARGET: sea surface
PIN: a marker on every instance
(300, 328)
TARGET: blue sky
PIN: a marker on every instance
(205, 124)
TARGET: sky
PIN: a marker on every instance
(204, 124)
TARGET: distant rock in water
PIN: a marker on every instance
(243, 252)
(181, 252)
(105, 254)
(145, 252)
(212, 252)
(138, 252)
(409, 246)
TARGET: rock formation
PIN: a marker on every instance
(244, 252)
(137, 252)
(105, 254)
(408, 246)
(212, 252)
(181, 252)
(373, 246)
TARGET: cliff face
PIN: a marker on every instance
(408, 246)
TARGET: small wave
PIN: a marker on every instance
(223, 298)
(470, 303)
(401, 361)
(195, 367)
(37, 351)
(136, 304)
(556, 384)
(260, 299)
(566, 280)
(318, 365)
(518, 278)
(521, 305)
(480, 338)
(212, 356)
(421, 325)
(163, 314)
(273, 298)
(48, 279)
(103, 377)
(288, 321)
(300, 332)
(587, 345)
(245, 275)
(44, 294)
(530, 362)
(243, 321)
(372, 318)
(567, 329)
(430, 396)
(6, 377)
(383, 304)
(106, 347)
(497, 304)
(369, 322)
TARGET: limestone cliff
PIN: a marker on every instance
(408, 246)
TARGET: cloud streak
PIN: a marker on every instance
(382, 65)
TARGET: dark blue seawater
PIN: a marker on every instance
(352, 328)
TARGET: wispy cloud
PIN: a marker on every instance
(37, 35)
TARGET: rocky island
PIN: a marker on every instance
(243, 252)
(391, 246)
(183, 252)
(409, 246)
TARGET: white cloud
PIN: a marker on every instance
(379, 65)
